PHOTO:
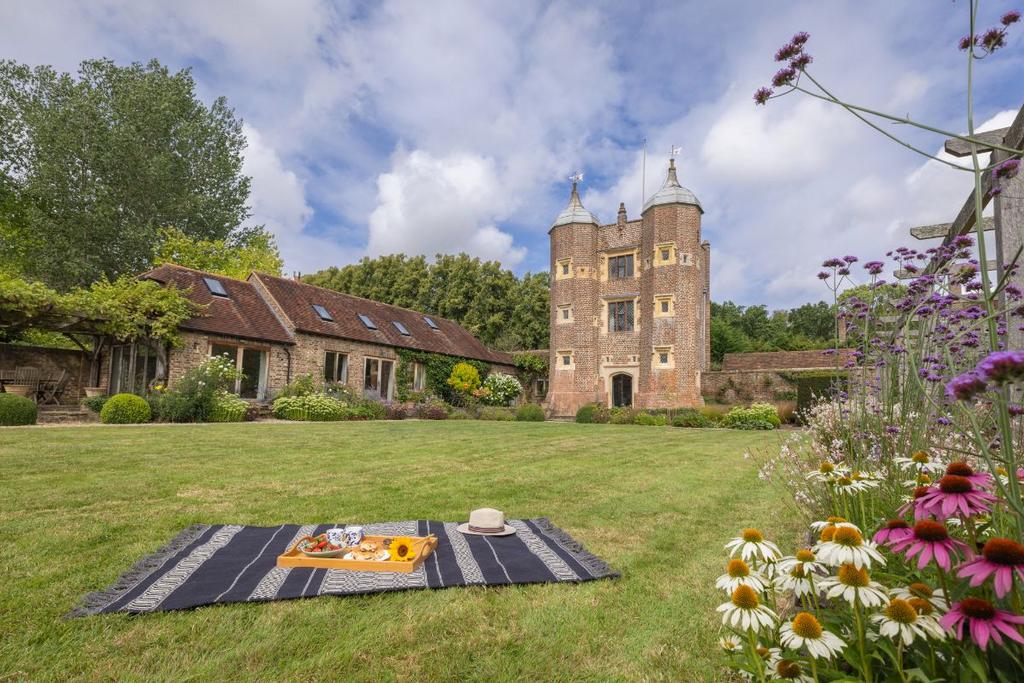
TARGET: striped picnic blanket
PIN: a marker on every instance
(222, 563)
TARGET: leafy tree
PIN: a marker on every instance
(91, 166)
(814, 321)
(504, 311)
(237, 256)
(738, 329)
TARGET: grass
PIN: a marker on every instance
(81, 504)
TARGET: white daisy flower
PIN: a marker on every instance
(900, 621)
(744, 612)
(854, 584)
(919, 462)
(805, 557)
(855, 484)
(826, 472)
(798, 580)
(752, 544)
(847, 546)
(779, 668)
(738, 573)
(806, 631)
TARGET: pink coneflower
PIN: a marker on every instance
(962, 469)
(918, 493)
(984, 621)
(1000, 557)
(955, 495)
(930, 539)
(893, 531)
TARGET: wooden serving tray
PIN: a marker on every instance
(424, 545)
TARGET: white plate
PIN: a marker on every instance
(383, 556)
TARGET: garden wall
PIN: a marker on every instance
(51, 362)
(745, 386)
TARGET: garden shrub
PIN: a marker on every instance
(95, 403)
(813, 386)
(464, 380)
(715, 413)
(433, 409)
(592, 413)
(530, 412)
(303, 385)
(193, 397)
(125, 409)
(496, 414)
(622, 416)
(501, 389)
(650, 420)
(459, 414)
(395, 411)
(228, 408)
(310, 408)
(757, 416)
(688, 417)
(17, 410)
(372, 410)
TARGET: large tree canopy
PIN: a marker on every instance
(91, 167)
(502, 310)
(736, 329)
(240, 254)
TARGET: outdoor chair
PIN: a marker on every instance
(27, 377)
(53, 392)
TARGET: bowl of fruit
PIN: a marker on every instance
(319, 546)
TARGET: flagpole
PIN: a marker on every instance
(643, 179)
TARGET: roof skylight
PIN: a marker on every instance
(430, 321)
(401, 328)
(215, 287)
(370, 325)
(322, 312)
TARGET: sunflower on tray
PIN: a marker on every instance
(402, 549)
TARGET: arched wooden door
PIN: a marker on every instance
(622, 390)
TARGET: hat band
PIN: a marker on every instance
(486, 529)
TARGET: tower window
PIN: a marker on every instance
(664, 306)
(565, 314)
(620, 316)
(665, 254)
(565, 269)
(620, 266)
(566, 360)
(663, 358)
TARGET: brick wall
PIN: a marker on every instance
(744, 386)
(51, 362)
(785, 360)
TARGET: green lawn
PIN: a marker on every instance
(79, 505)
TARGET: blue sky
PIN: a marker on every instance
(453, 126)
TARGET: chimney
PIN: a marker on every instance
(622, 214)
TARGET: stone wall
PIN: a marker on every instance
(745, 386)
(51, 362)
(195, 348)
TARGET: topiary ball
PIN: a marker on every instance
(125, 409)
(17, 410)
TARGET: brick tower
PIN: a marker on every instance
(630, 305)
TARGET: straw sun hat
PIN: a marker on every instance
(487, 522)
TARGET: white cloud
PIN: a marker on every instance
(428, 205)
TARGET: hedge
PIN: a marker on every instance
(125, 409)
(17, 410)
(530, 412)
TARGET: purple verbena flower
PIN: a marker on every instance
(1006, 169)
(966, 386)
(1011, 17)
(801, 61)
(801, 38)
(787, 51)
(784, 77)
(965, 43)
(761, 95)
(993, 39)
(823, 275)
(1002, 366)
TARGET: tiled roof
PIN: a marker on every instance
(243, 313)
(297, 300)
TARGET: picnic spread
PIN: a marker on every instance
(226, 563)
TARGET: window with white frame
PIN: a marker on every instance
(378, 378)
(251, 362)
(419, 377)
(335, 367)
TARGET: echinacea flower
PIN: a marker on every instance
(855, 482)
(954, 495)
(752, 544)
(848, 546)
(854, 585)
(894, 530)
(1000, 558)
(744, 611)
(899, 620)
(730, 643)
(798, 579)
(962, 469)
(806, 631)
(984, 621)
(783, 669)
(807, 558)
(923, 597)
(930, 540)
(738, 573)
(919, 461)
(829, 521)
(826, 472)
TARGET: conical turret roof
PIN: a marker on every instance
(672, 192)
(574, 211)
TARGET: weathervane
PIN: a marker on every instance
(674, 152)
(576, 177)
